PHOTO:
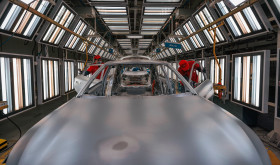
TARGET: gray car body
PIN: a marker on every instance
(183, 129)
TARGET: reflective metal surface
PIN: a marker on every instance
(161, 130)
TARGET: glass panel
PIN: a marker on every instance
(237, 78)
(256, 81)
(18, 95)
(246, 79)
(6, 83)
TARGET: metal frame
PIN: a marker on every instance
(275, 13)
(215, 17)
(261, 17)
(265, 55)
(40, 83)
(277, 101)
(14, 55)
(226, 72)
(47, 24)
(3, 6)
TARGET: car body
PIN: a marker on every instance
(166, 127)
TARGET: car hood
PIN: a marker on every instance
(156, 130)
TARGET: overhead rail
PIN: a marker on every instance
(238, 9)
(32, 10)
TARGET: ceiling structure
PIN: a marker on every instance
(134, 26)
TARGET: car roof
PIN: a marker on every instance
(143, 62)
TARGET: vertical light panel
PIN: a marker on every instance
(246, 79)
(69, 75)
(51, 81)
(45, 79)
(56, 78)
(237, 78)
(27, 82)
(251, 81)
(18, 97)
(256, 80)
(6, 94)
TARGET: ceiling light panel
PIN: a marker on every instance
(82, 47)
(111, 10)
(171, 39)
(54, 34)
(154, 20)
(149, 32)
(164, 1)
(107, 0)
(243, 23)
(115, 20)
(21, 23)
(118, 28)
(203, 17)
(92, 47)
(184, 43)
(158, 10)
(73, 40)
(195, 40)
(151, 27)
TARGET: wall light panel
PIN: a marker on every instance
(17, 82)
(250, 80)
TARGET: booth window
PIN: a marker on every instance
(16, 81)
(73, 40)
(203, 18)
(215, 71)
(69, 75)
(50, 77)
(54, 34)
(250, 82)
(22, 23)
(243, 23)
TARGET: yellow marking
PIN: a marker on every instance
(273, 158)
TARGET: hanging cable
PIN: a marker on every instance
(19, 130)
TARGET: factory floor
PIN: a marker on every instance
(27, 119)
